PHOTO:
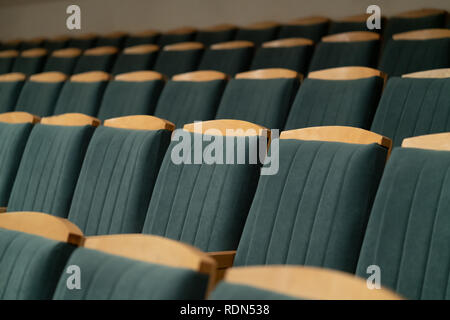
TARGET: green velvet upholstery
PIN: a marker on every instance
(61, 64)
(117, 179)
(398, 25)
(405, 56)
(117, 42)
(170, 63)
(52, 45)
(49, 169)
(39, 98)
(315, 210)
(80, 97)
(335, 103)
(9, 93)
(87, 63)
(344, 54)
(204, 205)
(313, 31)
(6, 64)
(257, 36)
(166, 39)
(28, 65)
(123, 98)
(82, 44)
(293, 58)
(264, 102)
(408, 235)
(413, 107)
(228, 61)
(132, 41)
(212, 37)
(134, 62)
(13, 138)
(233, 291)
(30, 266)
(110, 277)
(345, 26)
(183, 102)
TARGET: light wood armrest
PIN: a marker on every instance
(224, 259)
(19, 117)
(42, 224)
(3, 209)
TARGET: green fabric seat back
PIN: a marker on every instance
(87, 63)
(344, 54)
(212, 37)
(347, 26)
(233, 291)
(398, 25)
(315, 210)
(134, 62)
(26, 45)
(117, 179)
(39, 98)
(52, 45)
(117, 42)
(228, 61)
(80, 97)
(408, 235)
(6, 64)
(183, 102)
(166, 39)
(313, 31)
(170, 63)
(405, 56)
(64, 65)
(293, 58)
(123, 98)
(82, 44)
(264, 102)
(9, 93)
(412, 107)
(125, 279)
(257, 36)
(132, 41)
(28, 65)
(335, 103)
(204, 205)
(11, 46)
(12, 143)
(49, 169)
(30, 266)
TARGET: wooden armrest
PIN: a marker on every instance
(224, 259)
(3, 209)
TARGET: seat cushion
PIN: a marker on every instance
(228, 61)
(39, 98)
(9, 93)
(293, 58)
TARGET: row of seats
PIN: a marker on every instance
(412, 105)
(312, 28)
(316, 211)
(405, 53)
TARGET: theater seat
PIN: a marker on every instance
(114, 39)
(7, 58)
(313, 28)
(353, 23)
(13, 44)
(83, 41)
(137, 58)
(141, 38)
(30, 61)
(50, 165)
(192, 96)
(179, 58)
(118, 175)
(138, 267)
(262, 96)
(131, 93)
(258, 32)
(55, 43)
(10, 86)
(96, 59)
(216, 34)
(415, 104)
(63, 60)
(40, 93)
(31, 44)
(407, 235)
(228, 57)
(182, 34)
(358, 48)
(82, 93)
(346, 96)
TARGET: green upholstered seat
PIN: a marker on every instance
(134, 62)
(117, 179)
(343, 54)
(228, 61)
(135, 40)
(412, 107)
(183, 102)
(315, 210)
(204, 205)
(30, 265)
(6, 64)
(407, 235)
(39, 98)
(172, 38)
(87, 63)
(49, 169)
(57, 44)
(174, 62)
(233, 291)
(81, 43)
(294, 58)
(257, 36)
(9, 93)
(212, 37)
(80, 97)
(65, 65)
(122, 98)
(335, 102)
(262, 101)
(313, 31)
(349, 26)
(116, 41)
(13, 45)
(125, 279)
(13, 138)
(401, 24)
(405, 56)
(32, 44)
(28, 65)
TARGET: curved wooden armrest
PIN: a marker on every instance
(42, 224)
(224, 259)
(3, 209)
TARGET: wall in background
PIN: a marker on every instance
(31, 18)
